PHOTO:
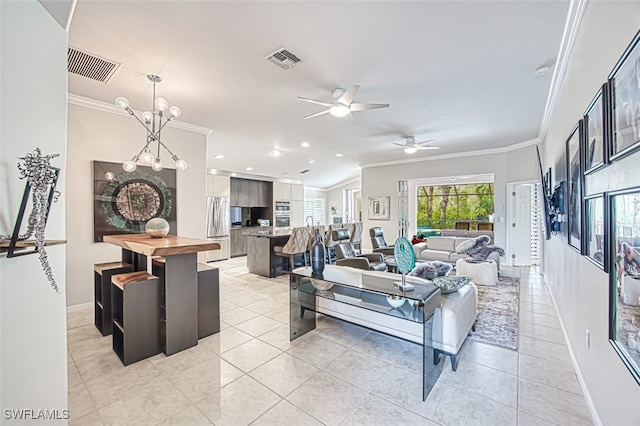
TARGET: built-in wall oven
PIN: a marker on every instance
(282, 214)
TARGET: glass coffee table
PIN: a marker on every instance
(362, 296)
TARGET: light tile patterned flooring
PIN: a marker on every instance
(250, 373)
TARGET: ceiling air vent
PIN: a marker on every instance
(283, 58)
(89, 65)
(304, 171)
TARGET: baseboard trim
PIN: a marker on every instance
(79, 307)
(583, 386)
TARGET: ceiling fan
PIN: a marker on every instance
(343, 104)
(411, 146)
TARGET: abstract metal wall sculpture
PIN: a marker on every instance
(41, 184)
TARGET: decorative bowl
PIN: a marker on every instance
(321, 285)
(157, 227)
(395, 301)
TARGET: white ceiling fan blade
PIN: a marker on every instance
(425, 142)
(313, 101)
(428, 147)
(399, 144)
(347, 97)
(364, 106)
(326, 111)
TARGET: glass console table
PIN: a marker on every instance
(367, 290)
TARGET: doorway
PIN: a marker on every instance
(524, 229)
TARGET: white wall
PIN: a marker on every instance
(33, 339)
(383, 180)
(579, 288)
(104, 136)
(335, 198)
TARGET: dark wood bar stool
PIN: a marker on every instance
(102, 273)
(136, 316)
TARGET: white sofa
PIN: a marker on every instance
(453, 321)
(444, 249)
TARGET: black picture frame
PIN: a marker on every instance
(595, 230)
(13, 251)
(624, 98)
(575, 187)
(595, 132)
(624, 276)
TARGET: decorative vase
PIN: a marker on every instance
(317, 254)
(157, 227)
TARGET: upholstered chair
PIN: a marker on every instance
(296, 246)
(379, 243)
(329, 242)
(346, 255)
(356, 235)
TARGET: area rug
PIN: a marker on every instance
(498, 313)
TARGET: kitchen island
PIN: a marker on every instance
(260, 257)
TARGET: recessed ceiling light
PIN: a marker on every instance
(249, 169)
(312, 161)
(275, 153)
(219, 156)
(305, 144)
(339, 154)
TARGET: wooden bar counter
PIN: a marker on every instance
(180, 327)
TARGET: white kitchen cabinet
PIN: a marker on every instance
(297, 192)
(218, 186)
(281, 191)
(297, 213)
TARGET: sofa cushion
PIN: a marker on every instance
(435, 255)
(441, 243)
(453, 257)
(429, 270)
(450, 283)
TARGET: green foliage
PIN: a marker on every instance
(451, 203)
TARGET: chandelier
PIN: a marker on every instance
(154, 121)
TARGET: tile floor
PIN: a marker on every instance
(250, 373)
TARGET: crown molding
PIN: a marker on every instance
(502, 150)
(105, 107)
(354, 180)
(569, 36)
(313, 188)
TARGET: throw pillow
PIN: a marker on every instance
(473, 243)
(430, 270)
(451, 283)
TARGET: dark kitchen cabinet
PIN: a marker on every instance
(250, 193)
(238, 242)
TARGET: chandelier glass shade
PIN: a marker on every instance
(153, 121)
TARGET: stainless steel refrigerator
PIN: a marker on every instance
(218, 224)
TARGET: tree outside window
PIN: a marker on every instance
(441, 206)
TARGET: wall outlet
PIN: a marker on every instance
(588, 338)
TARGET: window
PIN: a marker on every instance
(315, 207)
(442, 206)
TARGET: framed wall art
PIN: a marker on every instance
(595, 231)
(625, 102)
(575, 187)
(123, 202)
(624, 276)
(594, 133)
(379, 208)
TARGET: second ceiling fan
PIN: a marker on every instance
(342, 105)
(411, 146)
